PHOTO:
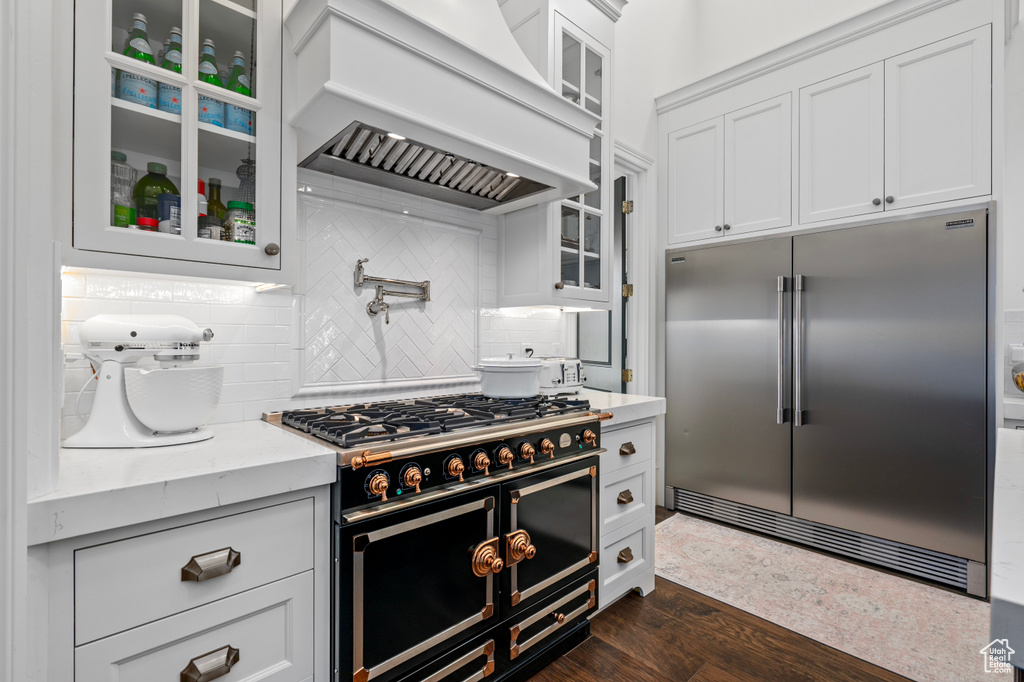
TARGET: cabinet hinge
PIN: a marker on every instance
(627, 290)
(627, 376)
(627, 206)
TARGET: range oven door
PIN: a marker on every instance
(550, 531)
(414, 583)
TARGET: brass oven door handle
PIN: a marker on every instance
(486, 650)
(210, 666)
(625, 556)
(210, 565)
(486, 560)
(518, 547)
(625, 497)
(627, 449)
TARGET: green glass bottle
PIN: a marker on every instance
(170, 95)
(214, 206)
(238, 79)
(133, 87)
(208, 64)
(151, 186)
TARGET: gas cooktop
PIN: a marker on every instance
(361, 425)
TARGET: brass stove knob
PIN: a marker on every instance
(504, 455)
(526, 451)
(412, 478)
(378, 485)
(455, 467)
(589, 437)
(547, 447)
(481, 461)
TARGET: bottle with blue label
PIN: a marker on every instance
(210, 110)
(170, 95)
(132, 87)
(237, 118)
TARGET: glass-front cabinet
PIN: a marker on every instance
(575, 232)
(177, 145)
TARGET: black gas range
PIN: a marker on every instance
(465, 534)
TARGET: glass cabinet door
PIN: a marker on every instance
(581, 64)
(158, 161)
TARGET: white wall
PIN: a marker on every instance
(662, 45)
(1012, 209)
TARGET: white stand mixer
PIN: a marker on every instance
(168, 409)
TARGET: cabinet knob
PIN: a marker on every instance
(889, 199)
(272, 249)
(559, 285)
(718, 228)
(726, 226)
(876, 201)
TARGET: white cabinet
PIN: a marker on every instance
(758, 166)
(841, 146)
(909, 131)
(731, 174)
(561, 253)
(193, 132)
(938, 121)
(696, 179)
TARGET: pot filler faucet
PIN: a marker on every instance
(378, 304)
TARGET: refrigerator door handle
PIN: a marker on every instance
(798, 350)
(780, 416)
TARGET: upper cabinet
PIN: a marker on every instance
(882, 120)
(178, 114)
(938, 121)
(560, 254)
(909, 131)
(732, 174)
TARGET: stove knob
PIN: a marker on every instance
(378, 485)
(504, 456)
(589, 437)
(527, 452)
(481, 461)
(412, 478)
(455, 467)
(547, 447)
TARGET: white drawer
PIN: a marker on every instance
(123, 584)
(626, 497)
(627, 446)
(626, 557)
(271, 627)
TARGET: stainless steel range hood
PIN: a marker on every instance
(431, 98)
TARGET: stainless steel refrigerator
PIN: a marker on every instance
(833, 388)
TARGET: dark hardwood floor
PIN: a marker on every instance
(675, 634)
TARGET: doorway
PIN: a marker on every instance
(601, 343)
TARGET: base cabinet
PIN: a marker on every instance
(627, 510)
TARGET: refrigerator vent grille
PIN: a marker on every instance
(936, 566)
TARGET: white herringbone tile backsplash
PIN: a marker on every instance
(279, 344)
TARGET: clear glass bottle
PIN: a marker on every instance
(149, 188)
(122, 180)
(241, 222)
(131, 87)
(170, 95)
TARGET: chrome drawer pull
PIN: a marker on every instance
(627, 449)
(211, 565)
(625, 497)
(210, 666)
(625, 556)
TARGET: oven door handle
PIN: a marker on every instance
(518, 547)
(486, 560)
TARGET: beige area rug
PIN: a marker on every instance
(919, 631)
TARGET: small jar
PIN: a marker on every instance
(241, 222)
(210, 227)
(149, 224)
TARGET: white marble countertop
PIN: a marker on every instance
(112, 488)
(626, 408)
(1008, 540)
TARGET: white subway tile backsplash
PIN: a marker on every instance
(258, 337)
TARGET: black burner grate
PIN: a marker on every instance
(355, 425)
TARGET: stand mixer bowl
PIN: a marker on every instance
(174, 399)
